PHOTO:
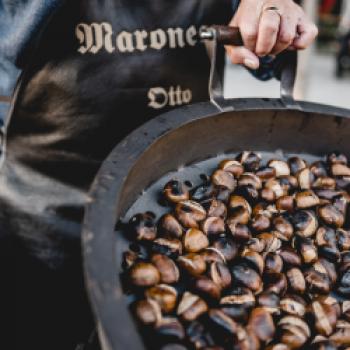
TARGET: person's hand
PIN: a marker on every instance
(269, 27)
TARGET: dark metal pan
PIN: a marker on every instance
(181, 139)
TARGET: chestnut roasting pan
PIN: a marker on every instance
(177, 140)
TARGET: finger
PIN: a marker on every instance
(286, 35)
(241, 55)
(307, 32)
(247, 19)
(268, 31)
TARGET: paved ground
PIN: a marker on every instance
(321, 86)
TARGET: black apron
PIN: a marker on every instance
(101, 69)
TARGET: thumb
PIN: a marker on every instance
(241, 55)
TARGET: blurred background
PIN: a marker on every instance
(324, 69)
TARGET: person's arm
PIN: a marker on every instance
(268, 27)
(20, 25)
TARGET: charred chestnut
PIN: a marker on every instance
(143, 227)
(246, 276)
(175, 191)
(250, 160)
(205, 286)
(305, 223)
(226, 247)
(296, 164)
(261, 322)
(168, 246)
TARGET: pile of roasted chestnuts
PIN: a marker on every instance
(255, 257)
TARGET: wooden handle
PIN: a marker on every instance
(228, 35)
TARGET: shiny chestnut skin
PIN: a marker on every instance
(171, 247)
(239, 296)
(170, 226)
(283, 227)
(305, 223)
(296, 280)
(147, 312)
(144, 274)
(331, 216)
(290, 257)
(227, 247)
(325, 317)
(294, 331)
(293, 305)
(261, 322)
(275, 283)
(207, 287)
(193, 264)
(249, 259)
(220, 274)
(168, 270)
(191, 307)
(317, 282)
(164, 295)
(273, 263)
(232, 166)
(195, 240)
(224, 179)
(247, 277)
(213, 225)
(189, 213)
(221, 320)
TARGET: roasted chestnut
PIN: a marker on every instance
(144, 274)
(175, 191)
(195, 240)
(164, 295)
(143, 227)
(191, 307)
(255, 257)
(169, 272)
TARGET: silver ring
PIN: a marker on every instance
(272, 8)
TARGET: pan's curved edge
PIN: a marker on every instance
(99, 219)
